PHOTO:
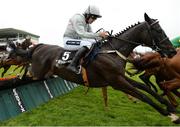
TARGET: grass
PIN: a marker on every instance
(77, 109)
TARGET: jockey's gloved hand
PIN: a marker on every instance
(103, 34)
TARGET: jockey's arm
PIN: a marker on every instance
(80, 29)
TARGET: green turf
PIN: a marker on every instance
(78, 109)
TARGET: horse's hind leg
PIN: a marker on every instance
(141, 86)
(104, 94)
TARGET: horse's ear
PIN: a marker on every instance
(147, 18)
(28, 37)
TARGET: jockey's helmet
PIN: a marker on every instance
(93, 11)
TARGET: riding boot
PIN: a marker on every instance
(76, 60)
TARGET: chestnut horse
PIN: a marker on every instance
(166, 71)
(107, 68)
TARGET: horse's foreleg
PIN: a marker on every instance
(141, 86)
(127, 88)
(146, 79)
(171, 84)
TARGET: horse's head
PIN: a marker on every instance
(148, 33)
(160, 42)
(25, 43)
(16, 47)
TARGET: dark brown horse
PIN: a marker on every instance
(108, 69)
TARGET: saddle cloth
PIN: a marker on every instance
(67, 56)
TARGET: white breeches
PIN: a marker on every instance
(75, 44)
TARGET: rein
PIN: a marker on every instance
(155, 47)
(115, 50)
(132, 42)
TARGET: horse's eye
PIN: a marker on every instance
(158, 31)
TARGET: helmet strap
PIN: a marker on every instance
(87, 17)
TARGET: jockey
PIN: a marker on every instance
(79, 36)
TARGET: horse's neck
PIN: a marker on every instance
(127, 40)
(125, 47)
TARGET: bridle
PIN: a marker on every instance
(155, 46)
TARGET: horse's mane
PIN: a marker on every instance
(127, 28)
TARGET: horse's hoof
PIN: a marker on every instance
(177, 121)
(174, 118)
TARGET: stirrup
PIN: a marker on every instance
(79, 69)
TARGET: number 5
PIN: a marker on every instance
(66, 56)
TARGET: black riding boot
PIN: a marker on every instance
(75, 61)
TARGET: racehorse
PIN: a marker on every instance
(14, 59)
(107, 68)
(166, 71)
